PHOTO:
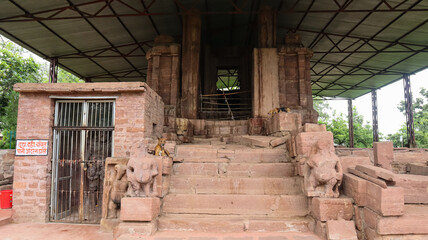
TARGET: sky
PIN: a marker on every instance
(390, 118)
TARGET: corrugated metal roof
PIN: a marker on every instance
(358, 45)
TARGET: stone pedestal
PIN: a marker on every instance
(325, 209)
(138, 217)
(138, 209)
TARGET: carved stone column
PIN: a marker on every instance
(295, 90)
(164, 69)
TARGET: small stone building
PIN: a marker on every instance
(79, 121)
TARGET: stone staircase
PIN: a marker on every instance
(234, 188)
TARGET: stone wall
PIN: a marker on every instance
(7, 157)
(138, 112)
(402, 156)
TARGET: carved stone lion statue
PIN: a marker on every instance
(324, 175)
(141, 172)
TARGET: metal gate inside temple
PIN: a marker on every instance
(83, 139)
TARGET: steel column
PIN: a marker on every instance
(411, 142)
(374, 116)
(53, 70)
(350, 124)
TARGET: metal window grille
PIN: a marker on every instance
(83, 139)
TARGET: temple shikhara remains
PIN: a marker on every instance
(197, 117)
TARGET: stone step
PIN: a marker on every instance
(234, 152)
(195, 235)
(210, 223)
(5, 216)
(235, 169)
(219, 204)
(236, 185)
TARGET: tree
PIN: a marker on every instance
(338, 125)
(420, 122)
(15, 68)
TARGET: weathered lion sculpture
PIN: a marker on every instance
(141, 172)
(325, 171)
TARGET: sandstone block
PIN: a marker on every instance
(341, 230)
(355, 187)
(321, 229)
(291, 122)
(415, 188)
(305, 141)
(139, 209)
(417, 169)
(370, 218)
(278, 141)
(383, 154)
(358, 218)
(166, 166)
(376, 172)
(352, 161)
(385, 201)
(312, 127)
(325, 209)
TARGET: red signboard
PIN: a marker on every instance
(31, 147)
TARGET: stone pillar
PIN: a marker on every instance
(163, 69)
(190, 67)
(267, 27)
(295, 90)
(265, 81)
(163, 76)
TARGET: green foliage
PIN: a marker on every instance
(420, 122)
(6, 142)
(338, 125)
(15, 68)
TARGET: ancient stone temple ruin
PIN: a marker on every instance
(219, 138)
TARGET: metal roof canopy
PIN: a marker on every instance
(358, 45)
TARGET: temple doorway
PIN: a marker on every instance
(82, 140)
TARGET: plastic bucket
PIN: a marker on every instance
(6, 199)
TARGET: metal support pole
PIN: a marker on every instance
(374, 116)
(411, 142)
(350, 124)
(53, 70)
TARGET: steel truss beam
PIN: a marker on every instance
(57, 35)
(411, 142)
(55, 13)
(389, 45)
